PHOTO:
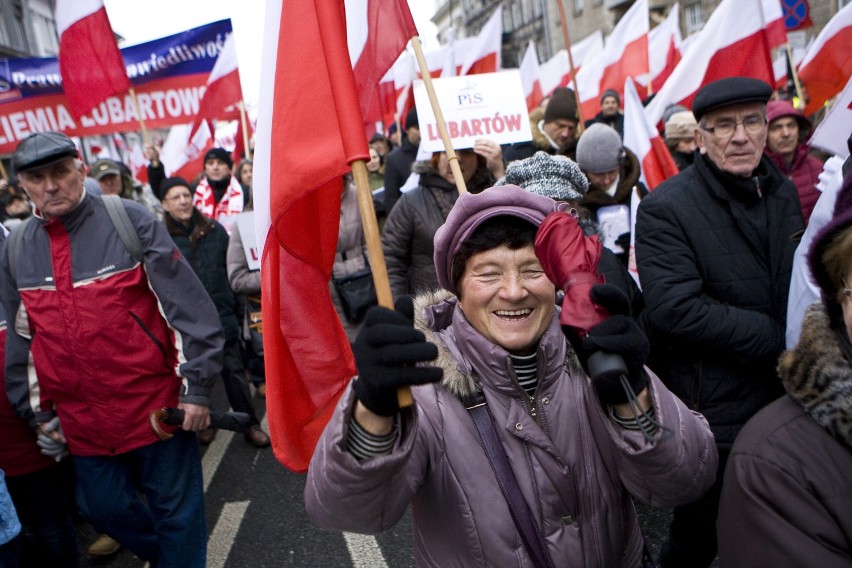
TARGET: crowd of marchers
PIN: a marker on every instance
(567, 353)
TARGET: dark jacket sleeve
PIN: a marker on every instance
(21, 384)
(397, 237)
(397, 170)
(185, 304)
(156, 177)
(677, 306)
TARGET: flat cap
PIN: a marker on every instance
(103, 168)
(729, 91)
(41, 149)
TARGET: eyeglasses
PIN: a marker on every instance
(180, 196)
(725, 128)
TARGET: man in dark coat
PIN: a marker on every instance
(714, 248)
(398, 163)
(204, 244)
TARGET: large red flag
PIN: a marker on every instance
(90, 63)
(828, 64)
(223, 90)
(736, 41)
(486, 54)
(310, 95)
(643, 139)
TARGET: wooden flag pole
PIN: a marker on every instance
(146, 137)
(3, 173)
(796, 82)
(374, 249)
(567, 41)
(439, 116)
(244, 123)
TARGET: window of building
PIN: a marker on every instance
(507, 20)
(19, 28)
(44, 28)
(516, 15)
(842, 3)
(537, 8)
(4, 33)
(578, 6)
(694, 18)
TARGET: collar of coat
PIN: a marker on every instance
(461, 349)
(818, 376)
(201, 226)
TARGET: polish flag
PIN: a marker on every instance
(310, 93)
(223, 90)
(626, 48)
(182, 154)
(736, 28)
(664, 51)
(90, 63)
(530, 77)
(448, 68)
(588, 85)
(643, 139)
(556, 71)
(485, 54)
(828, 65)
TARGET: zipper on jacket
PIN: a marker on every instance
(530, 402)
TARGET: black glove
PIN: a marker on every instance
(617, 335)
(387, 350)
(623, 241)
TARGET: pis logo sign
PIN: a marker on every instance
(469, 96)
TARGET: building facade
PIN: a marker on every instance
(28, 28)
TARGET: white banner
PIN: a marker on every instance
(488, 105)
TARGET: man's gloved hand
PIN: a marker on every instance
(51, 440)
(618, 335)
(387, 350)
(623, 241)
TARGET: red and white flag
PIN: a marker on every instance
(556, 71)
(530, 77)
(90, 63)
(588, 84)
(309, 94)
(223, 90)
(643, 139)
(485, 54)
(736, 27)
(626, 48)
(183, 155)
(828, 65)
(664, 51)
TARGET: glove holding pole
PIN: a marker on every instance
(387, 351)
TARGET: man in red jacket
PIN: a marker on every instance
(785, 146)
(114, 334)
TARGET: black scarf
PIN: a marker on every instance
(747, 190)
(219, 187)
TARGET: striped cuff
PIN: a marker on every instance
(645, 421)
(364, 445)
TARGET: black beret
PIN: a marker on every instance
(219, 154)
(41, 149)
(729, 91)
(169, 183)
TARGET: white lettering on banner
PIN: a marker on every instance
(118, 111)
(176, 55)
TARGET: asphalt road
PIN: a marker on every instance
(256, 518)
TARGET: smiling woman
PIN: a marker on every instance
(489, 348)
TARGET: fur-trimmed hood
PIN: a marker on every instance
(818, 376)
(433, 311)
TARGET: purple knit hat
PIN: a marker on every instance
(471, 210)
(840, 221)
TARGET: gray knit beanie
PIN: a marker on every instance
(599, 149)
(555, 177)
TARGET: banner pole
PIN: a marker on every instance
(146, 137)
(567, 40)
(439, 116)
(244, 123)
(796, 82)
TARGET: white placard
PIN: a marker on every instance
(489, 105)
(245, 222)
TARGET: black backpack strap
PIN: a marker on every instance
(126, 230)
(14, 246)
(521, 513)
